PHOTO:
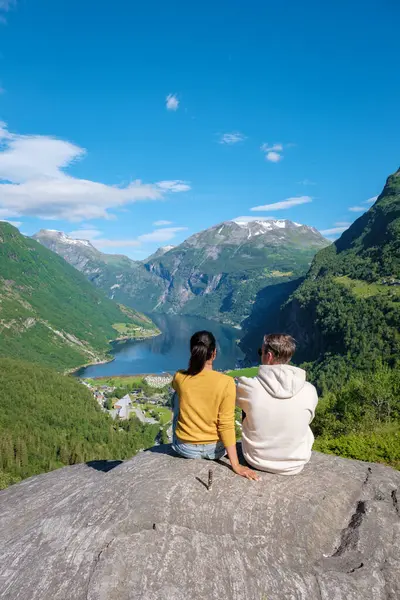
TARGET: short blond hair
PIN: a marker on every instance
(281, 346)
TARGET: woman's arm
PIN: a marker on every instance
(237, 467)
(226, 431)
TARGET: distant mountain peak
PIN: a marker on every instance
(62, 237)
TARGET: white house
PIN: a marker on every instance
(123, 406)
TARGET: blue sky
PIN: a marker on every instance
(117, 116)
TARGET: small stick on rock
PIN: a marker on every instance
(210, 479)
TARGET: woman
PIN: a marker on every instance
(204, 411)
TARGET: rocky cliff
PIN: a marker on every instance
(148, 528)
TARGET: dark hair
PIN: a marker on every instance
(202, 347)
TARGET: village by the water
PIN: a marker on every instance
(148, 398)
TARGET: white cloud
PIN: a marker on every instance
(343, 223)
(232, 138)
(161, 223)
(33, 182)
(85, 234)
(94, 236)
(273, 157)
(172, 102)
(371, 200)
(288, 203)
(247, 219)
(333, 230)
(357, 208)
(176, 185)
(15, 223)
(273, 153)
(161, 235)
(273, 148)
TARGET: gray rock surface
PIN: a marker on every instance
(149, 529)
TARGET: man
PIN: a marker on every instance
(279, 405)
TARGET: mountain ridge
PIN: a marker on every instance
(346, 313)
(49, 312)
(215, 273)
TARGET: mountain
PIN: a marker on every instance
(48, 420)
(49, 312)
(159, 252)
(346, 314)
(216, 273)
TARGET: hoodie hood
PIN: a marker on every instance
(281, 381)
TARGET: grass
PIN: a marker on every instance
(363, 289)
(120, 381)
(131, 330)
(381, 445)
(249, 372)
(164, 414)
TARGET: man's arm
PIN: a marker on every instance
(243, 394)
(313, 403)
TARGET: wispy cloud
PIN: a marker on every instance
(360, 207)
(273, 148)
(94, 236)
(306, 182)
(164, 234)
(288, 203)
(33, 182)
(343, 223)
(15, 223)
(247, 219)
(175, 185)
(5, 6)
(161, 223)
(333, 230)
(172, 102)
(357, 208)
(232, 138)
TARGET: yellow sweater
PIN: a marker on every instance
(206, 408)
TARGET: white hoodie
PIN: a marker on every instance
(279, 404)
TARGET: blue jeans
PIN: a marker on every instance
(187, 450)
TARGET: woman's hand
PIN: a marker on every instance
(245, 472)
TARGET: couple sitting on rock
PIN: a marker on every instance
(278, 405)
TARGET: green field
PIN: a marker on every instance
(164, 414)
(249, 372)
(117, 381)
(363, 289)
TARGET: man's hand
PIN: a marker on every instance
(246, 472)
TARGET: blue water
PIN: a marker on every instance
(169, 351)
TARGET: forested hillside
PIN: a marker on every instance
(48, 420)
(346, 314)
(50, 313)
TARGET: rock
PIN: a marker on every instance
(149, 529)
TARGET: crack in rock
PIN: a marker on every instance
(395, 501)
(360, 566)
(96, 561)
(349, 537)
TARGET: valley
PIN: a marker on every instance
(341, 302)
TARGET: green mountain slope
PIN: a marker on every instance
(346, 314)
(48, 420)
(216, 273)
(49, 312)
